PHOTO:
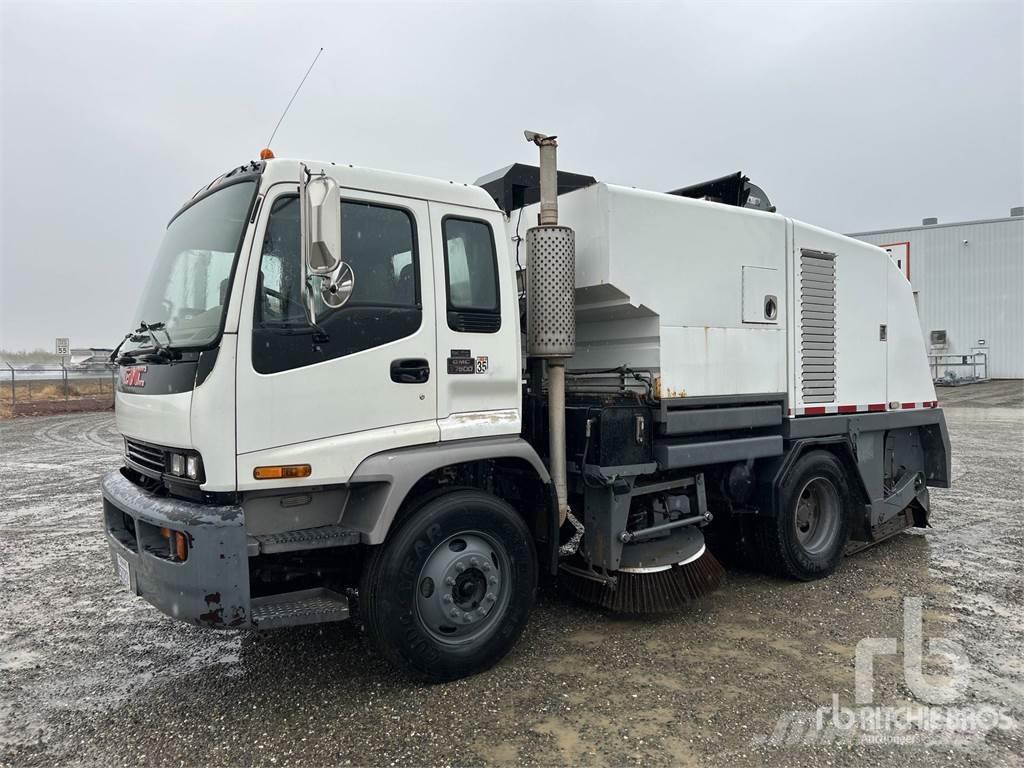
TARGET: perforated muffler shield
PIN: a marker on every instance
(551, 291)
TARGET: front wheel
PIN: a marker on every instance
(807, 538)
(450, 592)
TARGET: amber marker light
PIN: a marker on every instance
(282, 472)
(266, 154)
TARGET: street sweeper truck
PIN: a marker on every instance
(356, 393)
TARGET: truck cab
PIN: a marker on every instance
(246, 416)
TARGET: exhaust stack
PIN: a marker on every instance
(551, 305)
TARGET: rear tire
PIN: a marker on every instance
(449, 593)
(808, 536)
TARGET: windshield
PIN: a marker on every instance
(188, 286)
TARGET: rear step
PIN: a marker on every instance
(307, 538)
(307, 606)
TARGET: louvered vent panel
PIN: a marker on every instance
(818, 326)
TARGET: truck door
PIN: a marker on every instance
(367, 383)
(478, 344)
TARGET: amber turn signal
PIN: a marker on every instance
(178, 541)
(180, 546)
(282, 472)
(266, 154)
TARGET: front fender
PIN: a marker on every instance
(381, 483)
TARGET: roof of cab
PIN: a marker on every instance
(384, 182)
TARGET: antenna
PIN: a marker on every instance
(271, 139)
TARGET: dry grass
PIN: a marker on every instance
(28, 391)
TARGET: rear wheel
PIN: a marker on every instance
(450, 592)
(807, 537)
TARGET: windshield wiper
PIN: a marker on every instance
(145, 332)
(148, 328)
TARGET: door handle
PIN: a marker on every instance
(410, 370)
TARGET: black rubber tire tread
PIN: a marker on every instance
(775, 537)
(387, 588)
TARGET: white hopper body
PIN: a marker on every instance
(680, 287)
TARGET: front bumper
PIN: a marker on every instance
(211, 587)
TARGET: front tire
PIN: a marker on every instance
(449, 593)
(807, 538)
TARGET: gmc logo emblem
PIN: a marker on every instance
(132, 377)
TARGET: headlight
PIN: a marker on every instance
(192, 466)
(177, 464)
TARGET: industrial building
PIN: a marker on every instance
(968, 280)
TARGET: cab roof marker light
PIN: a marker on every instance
(282, 472)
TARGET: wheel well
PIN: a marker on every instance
(512, 479)
(772, 475)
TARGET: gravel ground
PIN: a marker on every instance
(91, 676)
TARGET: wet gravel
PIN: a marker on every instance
(92, 676)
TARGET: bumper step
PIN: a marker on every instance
(307, 538)
(307, 606)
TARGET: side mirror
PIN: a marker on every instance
(336, 290)
(329, 280)
(321, 223)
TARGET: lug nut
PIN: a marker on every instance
(490, 597)
(474, 561)
(450, 581)
(447, 598)
(486, 566)
(492, 580)
(460, 567)
(454, 613)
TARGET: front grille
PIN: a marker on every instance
(147, 456)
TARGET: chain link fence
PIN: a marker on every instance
(42, 389)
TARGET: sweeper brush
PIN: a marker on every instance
(648, 590)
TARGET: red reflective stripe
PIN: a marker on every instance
(876, 406)
(905, 406)
(847, 409)
(817, 410)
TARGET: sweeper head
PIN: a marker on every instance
(662, 589)
(641, 584)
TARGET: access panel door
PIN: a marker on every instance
(478, 342)
(839, 309)
(366, 380)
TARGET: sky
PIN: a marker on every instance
(851, 116)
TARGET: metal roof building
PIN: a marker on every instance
(968, 280)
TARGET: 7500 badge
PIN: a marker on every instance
(461, 361)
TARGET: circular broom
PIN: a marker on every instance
(659, 589)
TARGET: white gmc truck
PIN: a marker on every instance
(361, 393)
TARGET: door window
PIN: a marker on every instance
(471, 273)
(379, 242)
